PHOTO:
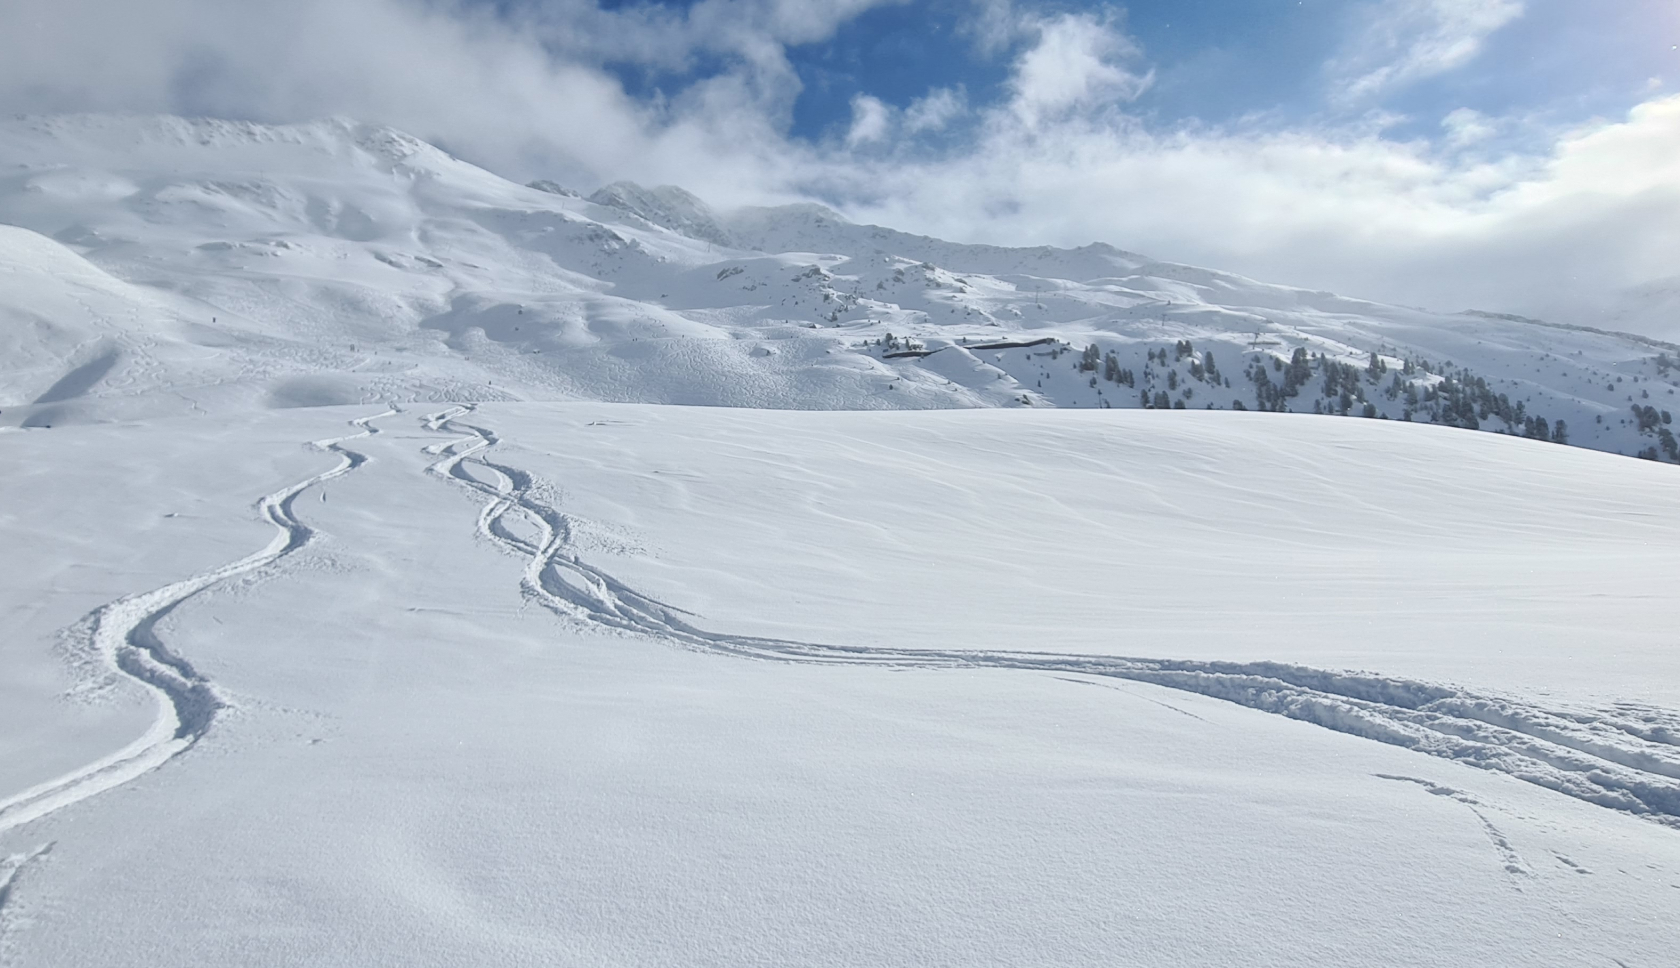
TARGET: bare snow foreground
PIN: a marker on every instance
(618, 684)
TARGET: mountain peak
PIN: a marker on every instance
(666, 206)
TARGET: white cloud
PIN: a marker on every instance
(938, 108)
(1077, 61)
(874, 122)
(1562, 234)
(995, 25)
(870, 120)
(1466, 126)
(1408, 40)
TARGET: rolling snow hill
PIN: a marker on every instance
(623, 684)
(158, 265)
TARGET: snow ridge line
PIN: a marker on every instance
(1627, 758)
(124, 635)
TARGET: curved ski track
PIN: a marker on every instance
(1626, 758)
(124, 634)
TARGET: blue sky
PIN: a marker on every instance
(1216, 60)
(1224, 61)
(1516, 155)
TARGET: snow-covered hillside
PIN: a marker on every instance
(154, 266)
(369, 600)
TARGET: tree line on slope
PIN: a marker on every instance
(1448, 395)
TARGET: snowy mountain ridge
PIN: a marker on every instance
(162, 264)
(666, 206)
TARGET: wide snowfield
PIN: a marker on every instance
(605, 684)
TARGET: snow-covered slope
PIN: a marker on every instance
(336, 263)
(607, 684)
(498, 662)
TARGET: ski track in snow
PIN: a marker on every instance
(1625, 758)
(124, 636)
(11, 870)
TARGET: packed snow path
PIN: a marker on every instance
(1627, 758)
(123, 637)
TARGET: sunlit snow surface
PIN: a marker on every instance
(884, 722)
(345, 625)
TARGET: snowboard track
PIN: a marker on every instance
(123, 634)
(1625, 758)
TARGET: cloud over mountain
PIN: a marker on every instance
(1066, 151)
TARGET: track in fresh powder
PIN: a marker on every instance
(1626, 759)
(124, 636)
